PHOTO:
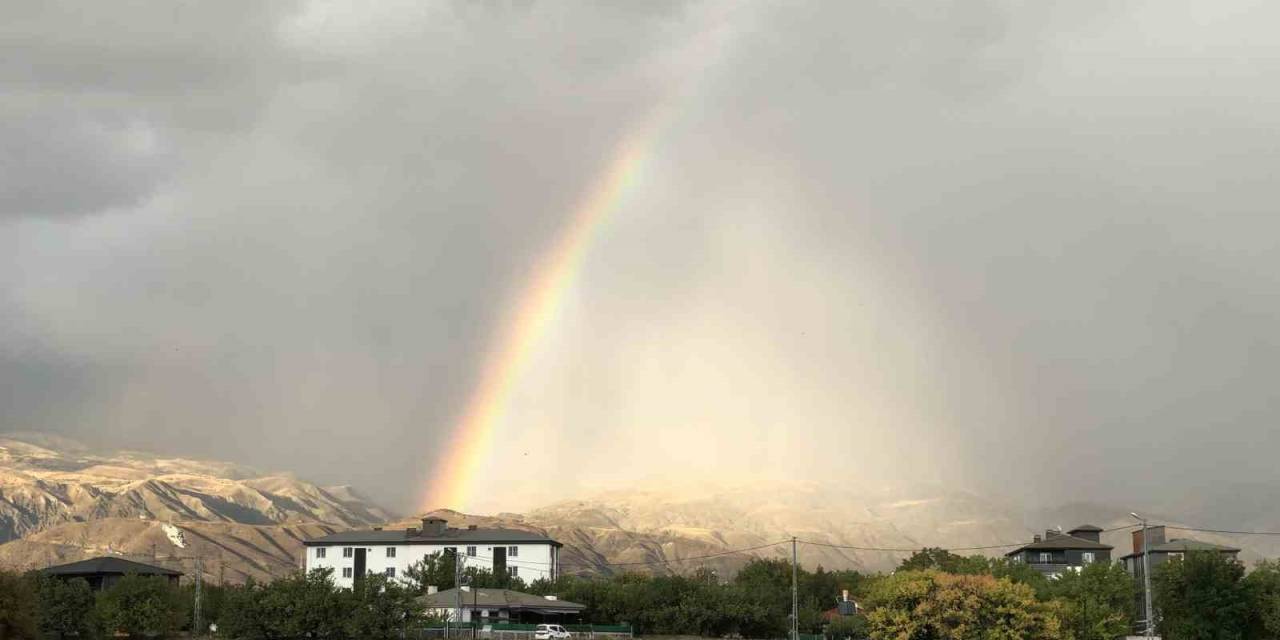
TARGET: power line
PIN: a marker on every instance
(914, 549)
(1228, 531)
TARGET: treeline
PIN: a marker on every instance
(1203, 596)
(933, 595)
(303, 605)
(756, 603)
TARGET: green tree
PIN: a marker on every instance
(434, 570)
(300, 605)
(381, 608)
(1201, 597)
(67, 607)
(843, 627)
(1020, 573)
(929, 605)
(141, 606)
(945, 561)
(1263, 584)
(1098, 601)
(18, 607)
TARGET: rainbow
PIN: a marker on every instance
(452, 481)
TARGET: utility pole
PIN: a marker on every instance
(795, 591)
(457, 588)
(1146, 577)
(197, 629)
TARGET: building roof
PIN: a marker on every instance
(1182, 546)
(499, 599)
(448, 536)
(1060, 542)
(1087, 527)
(108, 565)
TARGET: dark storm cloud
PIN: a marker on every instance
(969, 242)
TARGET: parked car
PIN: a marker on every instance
(550, 632)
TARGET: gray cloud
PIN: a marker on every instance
(980, 243)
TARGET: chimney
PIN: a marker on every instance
(434, 526)
(432, 589)
(1155, 533)
(471, 527)
(1035, 538)
(377, 528)
(410, 532)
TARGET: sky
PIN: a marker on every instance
(1028, 249)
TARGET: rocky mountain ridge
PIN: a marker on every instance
(63, 503)
(46, 482)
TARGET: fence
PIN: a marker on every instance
(511, 631)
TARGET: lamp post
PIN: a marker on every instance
(1146, 577)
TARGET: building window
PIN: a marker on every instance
(513, 571)
(391, 572)
(391, 552)
(513, 552)
(320, 552)
(451, 551)
(1086, 557)
(471, 551)
(346, 572)
(348, 552)
(1046, 557)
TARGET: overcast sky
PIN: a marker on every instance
(1024, 248)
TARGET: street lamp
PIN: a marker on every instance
(1146, 575)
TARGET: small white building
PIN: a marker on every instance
(523, 554)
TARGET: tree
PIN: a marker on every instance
(434, 570)
(381, 608)
(854, 626)
(300, 605)
(66, 607)
(18, 607)
(141, 605)
(1098, 601)
(929, 605)
(1263, 585)
(1021, 573)
(945, 561)
(1201, 597)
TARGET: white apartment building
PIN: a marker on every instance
(523, 554)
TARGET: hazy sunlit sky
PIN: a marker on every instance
(1024, 248)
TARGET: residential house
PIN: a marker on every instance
(1057, 552)
(527, 555)
(492, 606)
(1163, 550)
(105, 571)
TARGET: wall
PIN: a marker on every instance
(533, 560)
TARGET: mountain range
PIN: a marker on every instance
(61, 502)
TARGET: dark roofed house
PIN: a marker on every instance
(491, 606)
(1162, 551)
(104, 571)
(1057, 552)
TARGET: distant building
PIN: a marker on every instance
(103, 572)
(491, 606)
(1163, 550)
(526, 555)
(1057, 552)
